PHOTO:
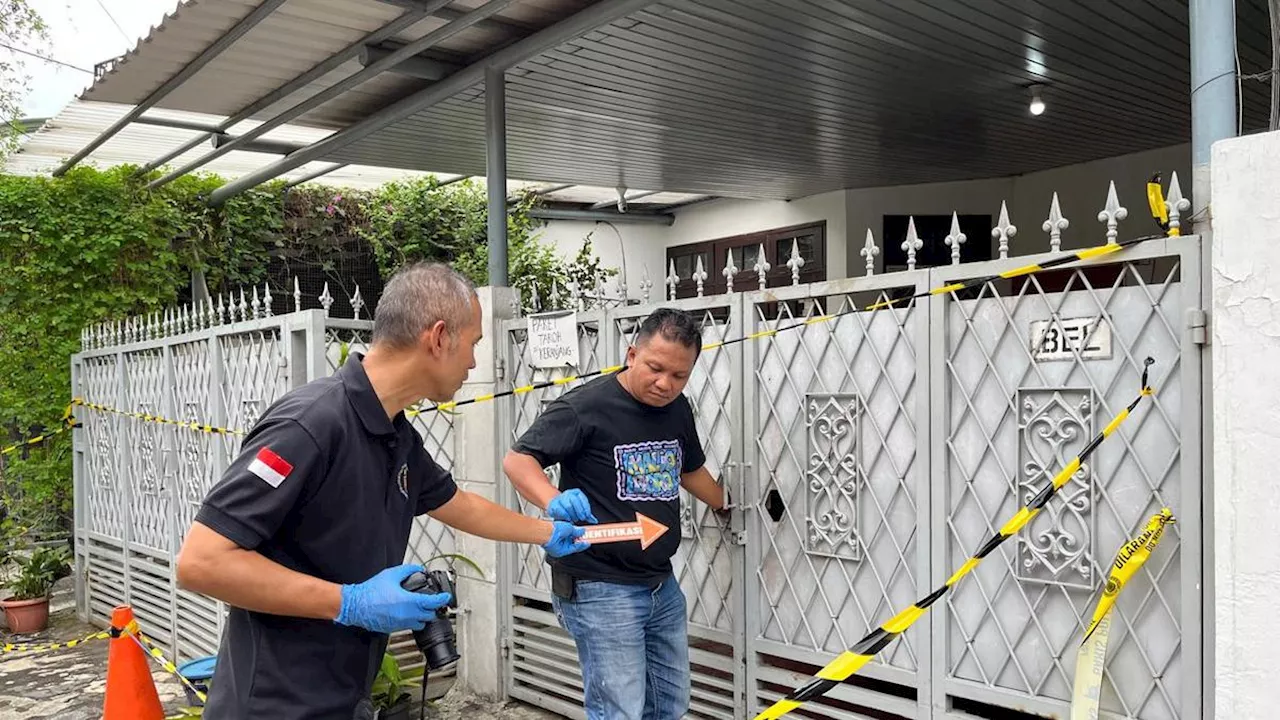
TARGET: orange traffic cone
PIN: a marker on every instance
(131, 693)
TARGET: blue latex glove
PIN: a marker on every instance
(564, 540)
(381, 605)
(571, 506)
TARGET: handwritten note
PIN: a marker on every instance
(553, 340)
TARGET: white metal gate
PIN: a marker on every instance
(139, 482)
(877, 450)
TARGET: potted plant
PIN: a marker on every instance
(390, 694)
(27, 609)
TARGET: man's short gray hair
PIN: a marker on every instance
(417, 297)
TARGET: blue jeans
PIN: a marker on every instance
(633, 648)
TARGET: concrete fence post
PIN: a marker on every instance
(477, 468)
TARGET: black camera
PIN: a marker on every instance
(436, 639)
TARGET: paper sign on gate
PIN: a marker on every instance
(553, 340)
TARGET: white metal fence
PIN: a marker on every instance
(874, 452)
(140, 481)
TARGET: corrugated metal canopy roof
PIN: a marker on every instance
(48, 144)
(746, 98)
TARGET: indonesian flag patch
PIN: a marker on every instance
(270, 467)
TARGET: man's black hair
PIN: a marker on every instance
(673, 325)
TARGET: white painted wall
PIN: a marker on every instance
(1245, 321)
(1082, 193)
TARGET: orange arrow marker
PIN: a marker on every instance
(644, 529)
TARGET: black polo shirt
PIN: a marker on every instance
(328, 486)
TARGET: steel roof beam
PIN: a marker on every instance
(582, 22)
(273, 147)
(601, 216)
(247, 23)
(312, 176)
(417, 66)
(351, 51)
(606, 203)
(333, 91)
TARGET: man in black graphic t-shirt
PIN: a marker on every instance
(626, 444)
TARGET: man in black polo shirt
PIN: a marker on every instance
(304, 537)
(626, 444)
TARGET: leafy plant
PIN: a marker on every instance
(390, 688)
(37, 573)
(13, 539)
(20, 26)
(96, 245)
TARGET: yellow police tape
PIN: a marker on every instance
(47, 647)
(1092, 656)
(448, 407)
(68, 423)
(148, 417)
(853, 659)
(149, 648)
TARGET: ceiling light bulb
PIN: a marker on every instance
(1037, 105)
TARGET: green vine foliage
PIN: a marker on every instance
(96, 245)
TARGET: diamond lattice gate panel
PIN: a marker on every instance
(139, 482)
(1032, 368)
(543, 664)
(710, 559)
(838, 534)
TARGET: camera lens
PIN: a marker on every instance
(435, 641)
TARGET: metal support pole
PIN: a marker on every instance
(246, 24)
(1213, 92)
(600, 13)
(495, 125)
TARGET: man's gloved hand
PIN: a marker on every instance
(381, 605)
(571, 506)
(564, 540)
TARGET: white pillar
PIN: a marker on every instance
(477, 469)
(1246, 424)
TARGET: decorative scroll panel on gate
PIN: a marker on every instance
(832, 475)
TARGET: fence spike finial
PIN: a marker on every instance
(955, 238)
(646, 285)
(912, 243)
(672, 279)
(1055, 225)
(213, 312)
(326, 298)
(297, 295)
(762, 266)
(222, 310)
(553, 299)
(267, 310)
(256, 305)
(869, 251)
(244, 306)
(795, 262)
(1112, 214)
(1004, 230)
(599, 288)
(1176, 204)
(729, 271)
(357, 303)
(622, 288)
(535, 302)
(699, 275)
(186, 319)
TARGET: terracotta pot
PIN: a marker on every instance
(26, 616)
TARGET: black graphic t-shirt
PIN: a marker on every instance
(627, 458)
